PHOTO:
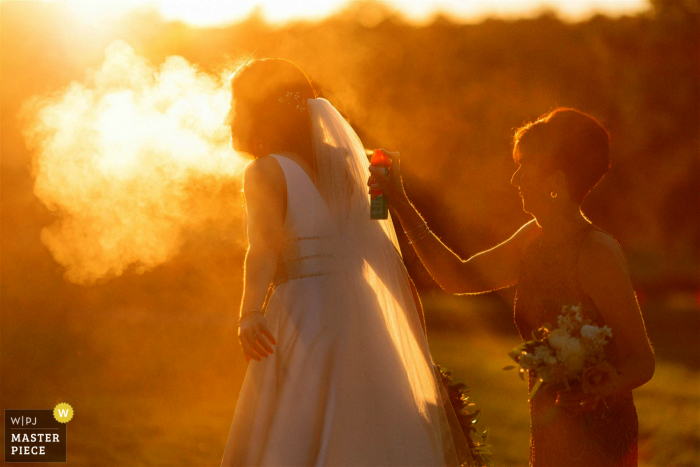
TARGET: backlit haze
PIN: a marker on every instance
(123, 230)
(219, 12)
(116, 151)
(120, 155)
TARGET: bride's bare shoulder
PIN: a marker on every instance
(263, 173)
(263, 166)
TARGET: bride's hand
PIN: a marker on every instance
(391, 184)
(255, 338)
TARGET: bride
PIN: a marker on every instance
(341, 373)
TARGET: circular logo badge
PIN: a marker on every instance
(63, 412)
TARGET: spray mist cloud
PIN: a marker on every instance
(116, 156)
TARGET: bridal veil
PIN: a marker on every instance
(378, 273)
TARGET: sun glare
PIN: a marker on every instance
(220, 12)
(93, 12)
(475, 10)
(119, 149)
(216, 12)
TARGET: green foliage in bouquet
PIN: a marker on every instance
(529, 347)
(565, 354)
(457, 392)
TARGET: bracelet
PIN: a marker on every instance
(421, 237)
(247, 313)
(423, 229)
(411, 230)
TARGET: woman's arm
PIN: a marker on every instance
(492, 269)
(265, 194)
(603, 275)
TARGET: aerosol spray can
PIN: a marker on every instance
(379, 208)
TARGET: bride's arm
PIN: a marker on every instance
(265, 194)
(488, 270)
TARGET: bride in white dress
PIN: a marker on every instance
(340, 372)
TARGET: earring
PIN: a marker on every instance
(553, 194)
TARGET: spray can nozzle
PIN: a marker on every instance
(379, 208)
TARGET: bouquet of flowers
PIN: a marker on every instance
(468, 417)
(570, 354)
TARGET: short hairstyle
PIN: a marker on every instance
(568, 140)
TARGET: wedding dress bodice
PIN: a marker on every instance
(308, 241)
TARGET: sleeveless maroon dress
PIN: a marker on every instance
(605, 436)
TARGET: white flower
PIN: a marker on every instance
(572, 355)
(545, 355)
(570, 318)
(542, 353)
(558, 338)
(590, 332)
(565, 323)
(595, 337)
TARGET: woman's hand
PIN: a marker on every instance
(597, 383)
(576, 402)
(600, 380)
(391, 184)
(265, 194)
(255, 338)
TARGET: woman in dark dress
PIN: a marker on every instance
(558, 258)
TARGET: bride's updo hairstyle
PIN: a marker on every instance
(269, 108)
(567, 140)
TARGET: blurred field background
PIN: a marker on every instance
(148, 358)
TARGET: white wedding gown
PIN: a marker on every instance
(349, 383)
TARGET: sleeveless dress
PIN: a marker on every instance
(334, 392)
(605, 436)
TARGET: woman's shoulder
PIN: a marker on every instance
(599, 252)
(266, 165)
(526, 236)
(263, 172)
(595, 239)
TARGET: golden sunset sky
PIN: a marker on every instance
(220, 12)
